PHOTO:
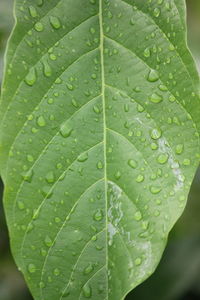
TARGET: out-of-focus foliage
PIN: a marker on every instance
(178, 275)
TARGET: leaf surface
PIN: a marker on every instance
(99, 141)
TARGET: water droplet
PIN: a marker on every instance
(138, 261)
(20, 205)
(88, 269)
(140, 178)
(56, 272)
(33, 11)
(31, 268)
(50, 178)
(55, 22)
(96, 109)
(155, 98)
(138, 216)
(155, 189)
(156, 12)
(162, 158)
(172, 98)
(48, 241)
(132, 163)
(140, 108)
(65, 130)
(83, 157)
(153, 76)
(31, 77)
(30, 158)
(98, 216)
(39, 26)
(186, 162)
(156, 133)
(27, 176)
(46, 69)
(179, 149)
(41, 121)
(118, 175)
(87, 291)
(100, 165)
(40, 2)
(147, 52)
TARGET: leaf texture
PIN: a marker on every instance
(99, 141)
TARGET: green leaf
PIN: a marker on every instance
(99, 141)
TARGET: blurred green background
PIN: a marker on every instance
(178, 274)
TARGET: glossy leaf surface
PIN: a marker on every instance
(99, 141)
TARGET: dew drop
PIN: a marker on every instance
(41, 121)
(156, 133)
(27, 176)
(156, 12)
(50, 178)
(33, 11)
(55, 22)
(65, 130)
(118, 175)
(56, 272)
(153, 76)
(88, 269)
(140, 178)
(48, 241)
(98, 216)
(138, 216)
(99, 165)
(179, 148)
(20, 205)
(138, 261)
(155, 189)
(162, 158)
(31, 77)
(132, 163)
(87, 291)
(83, 157)
(156, 98)
(31, 268)
(39, 26)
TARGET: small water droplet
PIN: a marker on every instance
(33, 11)
(20, 205)
(99, 165)
(155, 189)
(179, 148)
(140, 178)
(88, 269)
(162, 158)
(48, 241)
(39, 26)
(50, 177)
(153, 76)
(46, 69)
(138, 216)
(41, 121)
(31, 268)
(118, 175)
(55, 22)
(155, 98)
(87, 291)
(65, 130)
(138, 261)
(156, 12)
(98, 216)
(132, 163)
(156, 133)
(31, 77)
(83, 157)
(56, 272)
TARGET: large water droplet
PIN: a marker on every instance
(88, 269)
(156, 133)
(132, 163)
(33, 11)
(50, 177)
(39, 26)
(162, 158)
